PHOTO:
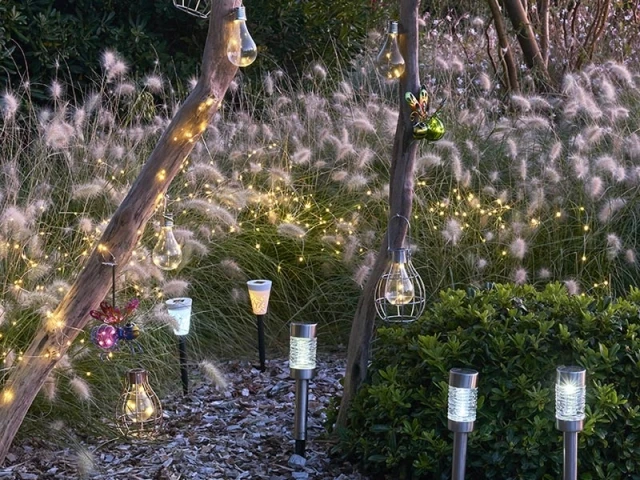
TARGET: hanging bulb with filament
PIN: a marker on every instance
(241, 49)
(399, 289)
(139, 406)
(389, 61)
(167, 253)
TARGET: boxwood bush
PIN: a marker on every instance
(515, 337)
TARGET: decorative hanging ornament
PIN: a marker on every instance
(425, 126)
(241, 49)
(389, 61)
(139, 411)
(167, 254)
(197, 8)
(115, 326)
(400, 292)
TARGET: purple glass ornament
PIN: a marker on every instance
(105, 336)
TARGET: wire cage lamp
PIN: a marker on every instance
(197, 8)
(400, 292)
(139, 412)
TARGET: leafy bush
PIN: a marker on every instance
(515, 337)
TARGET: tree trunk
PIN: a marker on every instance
(528, 43)
(123, 231)
(400, 203)
(504, 49)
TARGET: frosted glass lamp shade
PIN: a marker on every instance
(259, 291)
(303, 345)
(570, 393)
(463, 399)
(180, 310)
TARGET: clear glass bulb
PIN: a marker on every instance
(570, 401)
(167, 253)
(302, 353)
(389, 61)
(399, 289)
(462, 404)
(241, 49)
(139, 406)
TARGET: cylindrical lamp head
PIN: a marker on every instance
(463, 399)
(302, 353)
(259, 291)
(570, 398)
(180, 310)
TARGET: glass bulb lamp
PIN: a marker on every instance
(180, 311)
(259, 292)
(461, 414)
(302, 363)
(400, 292)
(570, 414)
(139, 412)
(389, 61)
(241, 49)
(167, 254)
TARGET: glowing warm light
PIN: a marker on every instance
(259, 292)
(241, 49)
(389, 61)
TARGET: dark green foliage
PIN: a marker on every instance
(515, 337)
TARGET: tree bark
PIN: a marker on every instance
(528, 43)
(400, 203)
(123, 231)
(505, 54)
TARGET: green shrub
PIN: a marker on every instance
(515, 337)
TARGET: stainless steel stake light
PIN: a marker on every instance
(570, 401)
(463, 400)
(302, 362)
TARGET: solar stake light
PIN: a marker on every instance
(180, 310)
(302, 362)
(570, 401)
(259, 291)
(461, 414)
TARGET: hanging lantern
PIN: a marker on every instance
(139, 412)
(400, 292)
(197, 8)
(241, 49)
(167, 254)
(389, 61)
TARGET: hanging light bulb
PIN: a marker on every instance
(241, 49)
(167, 253)
(139, 410)
(399, 289)
(389, 61)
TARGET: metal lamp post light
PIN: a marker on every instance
(302, 362)
(180, 310)
(570, 401)
(461, 414)
(259, 291)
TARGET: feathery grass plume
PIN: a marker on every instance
(268, 84)
(481, 264)
(456, 168)
(621, 73)
(175, 288)
(14, 224)
(277, 175)
(90, 190)
(50, 388)
(544, 273)
(552, 175)
(363, 124)
(614, 246)
(192, 246)
(58, 134)
(204, 171)
(520, 276)
(38, 271)
(56, 90)
(85, 225)
(539, 104)
(340, 176)
(518, 248)
(484, 82)
(605, 89)
(154, 83)
(632, 146)
(124, 89)
(9, 105)
(3, 314)
(113, 65)
(292, 231)
(520, 103)
(534, 122)
(629, 256)
(364, 158)
(159, 314)
(302, 156)
(606, 163)
(214, 212)
(594, 187)
(389, 120)
(232, 269)
(572, 287)
(239, 295)
(452, 231)
(357, 181)
(610, 207)
(512, 148)
(618, 113)
(319, 71)
(81, 388)
(555, 152)
(85, 463)
(580, 166)
(361, 275)
(214, 375)
(427, 161)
